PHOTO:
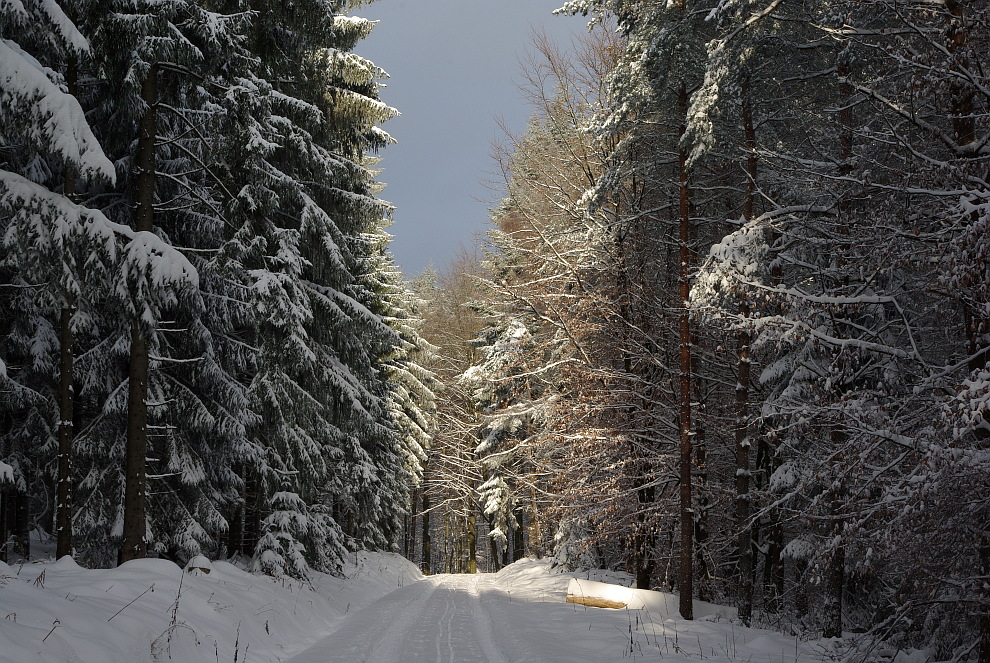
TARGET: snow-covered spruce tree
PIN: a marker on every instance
(56, 254)
(510, 416)
(323, 421)
(412, 385)
(159, 66)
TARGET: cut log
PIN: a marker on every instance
(594, 602)
(601, 595)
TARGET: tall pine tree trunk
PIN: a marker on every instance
(20, 518)
(427, 543)
(686, 575)
(835, 565)
(700, 490)
(66, 387)
(410, 538)
(518, 542)
(743, 502)
(472, 542)
(235, 530)
(535, 534)
(4, 525)
(643, 541)
(134, 544)
(63, 491)
(835, 568)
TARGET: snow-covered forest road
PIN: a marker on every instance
(462, 618)
(520, 616)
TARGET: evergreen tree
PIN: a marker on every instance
(53, 250)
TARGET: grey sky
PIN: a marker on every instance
(453, 64)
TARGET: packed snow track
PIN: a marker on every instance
(441, 618)
(519, 616)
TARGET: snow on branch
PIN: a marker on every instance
(51, 118)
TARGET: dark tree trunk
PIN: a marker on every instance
(686, 575)
(743, 502)
(134, 544)
(63, 491)
(743, 526)
(701, 496)
(835, 568)
(472, 543)
(411, 529)
(535, 535)
(235, 531)
(427, 547)
(66, 387)
(4, 526)
(252, 513)
(703, 574)
(518, 542)
(643, 557)
(773, 569)
(834, 587)
(20, 518)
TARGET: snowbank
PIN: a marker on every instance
(530, 575)
(650, 629)
(150, 610)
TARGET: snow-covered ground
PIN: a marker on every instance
(520, 615)
(150, 610)
(384, 611)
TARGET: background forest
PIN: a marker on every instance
(731, 329)
(730, 332)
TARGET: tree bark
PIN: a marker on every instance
(835, 569)
(518, 541)
(235, 530)
(427, 544)
(134, 544)
(66, 387)
(743, 502)
(63, 492)
(834, 588)
(21, 520)
(701, 496)
(410, 538)
(4, 526)
(472, 543)
(535, 535)
(643, 557)
(686, 576)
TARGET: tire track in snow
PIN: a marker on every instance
(375, 633)
(444, 628)
(483, 626)
(442, 618)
